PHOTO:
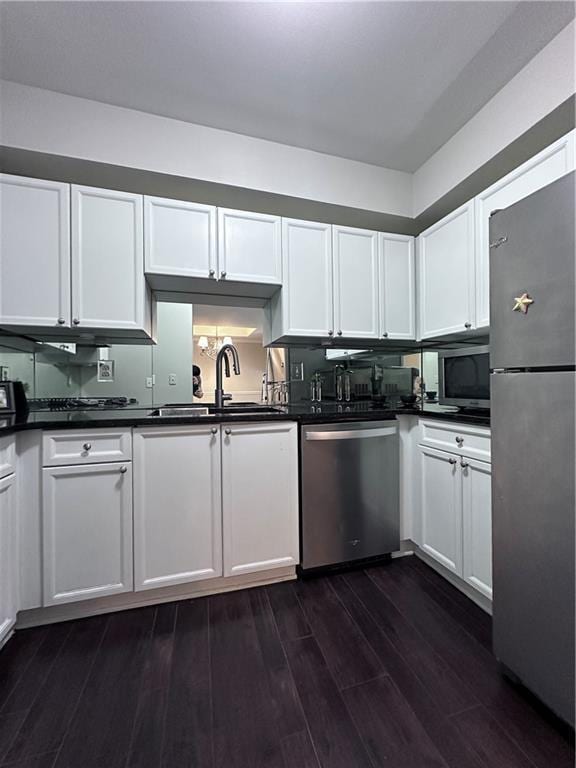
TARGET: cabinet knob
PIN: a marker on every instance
(214, 431)
(222, 274)
(330, 333)
(228, 431)
(123, 470)
(459, 440)
(452, 461)
(464, 464)
(61, 321)
(76, 321)
(87, 446)
(385, 335)
(467, 325)
(211, 273)
(339, 333)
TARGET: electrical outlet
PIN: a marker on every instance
(172, 379)
(148, 382)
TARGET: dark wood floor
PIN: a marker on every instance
(384, 667)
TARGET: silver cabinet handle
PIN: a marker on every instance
(460, 440)
(351, 434)
(61, 321)
(123, 470)
(464, 464)
(76, 321)
(214, 431)
(452, 461)
(222, 274)
(211, 273)
(330, 333)
(339, 333)
(228, 431)
(467, 325)
(87, 446)
(385, 335)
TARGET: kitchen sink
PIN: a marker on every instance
(180, 411)
(186, 411)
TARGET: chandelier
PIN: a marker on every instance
(210, 345)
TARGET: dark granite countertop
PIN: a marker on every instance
(304, 413)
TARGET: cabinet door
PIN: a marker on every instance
(35, 252)
(108, 284)
(179, 238)
(177, 505)
(541, 170)
(87, 531)
(8, 557)
(260, 497)
(441, 507)
(477, 524)
(355, 283)
(249, 247)
(307, 296)
(446, 274)
(397, 287)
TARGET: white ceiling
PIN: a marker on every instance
(235, 317)
(382, 82)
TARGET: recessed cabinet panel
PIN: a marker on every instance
(108, 284)
(180, 238)
(547, 166)
(441, 508)
(260, 497)
(249, 247)
(356, 313)
(307, 293)
(87, 531)
(8, 557)
(477, 524)
(34, 252)
(177, 505)
(397, 287)
(446, 274)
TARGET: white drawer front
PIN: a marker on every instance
(7, 456)
(79, 447)
(464, 439)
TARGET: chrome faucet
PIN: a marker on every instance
(219, 395)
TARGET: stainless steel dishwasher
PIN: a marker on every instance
(350, 492)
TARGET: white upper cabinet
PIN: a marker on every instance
(541, 170)
(477, 524)
(249, 247)
(34, 252)
(179, 238)
(446, 274)
(356, 314)
(177, 505)
(260, 496)
(8, 557)
(307, 281)
(397, 287)
(87, 531)
(108, 284)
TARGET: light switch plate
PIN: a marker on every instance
(172, 379)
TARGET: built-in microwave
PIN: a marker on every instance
(464, 377)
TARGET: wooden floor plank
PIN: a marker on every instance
(334, 735)
(38, 761)
(288, 612)
(16, 657)
(9, 727)
(348, 655)
(244, 720)
(148, 736)
(188, 720)
(298, 751)
(50, 716)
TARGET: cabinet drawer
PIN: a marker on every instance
(7, 456)
(465, 440)
(103, 445)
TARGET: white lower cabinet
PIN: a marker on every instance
(456, 522)
(260, 497)
(8, 557)
(87, 531)
(177, 505)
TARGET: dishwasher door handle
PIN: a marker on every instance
(352, 434)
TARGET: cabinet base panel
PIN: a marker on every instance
(80, 610)
(480, 600)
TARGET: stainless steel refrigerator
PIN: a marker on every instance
(532, 407)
